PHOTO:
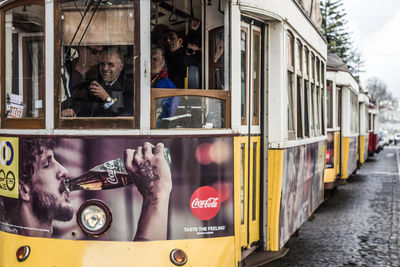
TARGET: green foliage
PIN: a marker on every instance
(338, 36)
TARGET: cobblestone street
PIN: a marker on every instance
(359, 225)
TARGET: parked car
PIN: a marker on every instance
(396, 138)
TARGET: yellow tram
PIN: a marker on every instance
(343, 125)
(160, 133)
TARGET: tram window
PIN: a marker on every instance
(96, 59)
(256, 76)
(243, 73)
(299, 58)
(23, 81)
(312, 67)
(306, 110)
(217, 58)
(299, 108)
(177, 27)
(192, 111)
(318, 111)
(329, 104)
(354, 113)
(306, 63)
(339, 106)
(290, 86)
(312, 111)
(290, 107)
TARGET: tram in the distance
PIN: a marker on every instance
(160, 133)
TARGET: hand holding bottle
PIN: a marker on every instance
(150, 171)
(152, 176)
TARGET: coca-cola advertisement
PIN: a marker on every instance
(118, 188)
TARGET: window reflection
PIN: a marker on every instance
(192, 112)
(24, 62)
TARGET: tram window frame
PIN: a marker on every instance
(123, 122)
(23, 122)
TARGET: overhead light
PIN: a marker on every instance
(94, 217)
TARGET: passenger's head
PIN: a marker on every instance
(42, 180)
(111, 65)
(90, 55)
(193, 43)
(157, 33)
(157, 60)
(171, 41)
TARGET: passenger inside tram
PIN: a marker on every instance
(174, 51)
(159, 79)
(109, 95)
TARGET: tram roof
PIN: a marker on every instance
(335, 63)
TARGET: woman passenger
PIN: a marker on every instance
(159, 79)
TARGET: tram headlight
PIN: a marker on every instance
(94, 217)
(178, 257)
(23, 253)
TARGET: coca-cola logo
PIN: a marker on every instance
(205, 203)
(112, 174)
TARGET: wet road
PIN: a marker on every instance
(359, 225)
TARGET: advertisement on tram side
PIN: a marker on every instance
(302, 186)
(366, 142)
(117, 188)
(352, 159)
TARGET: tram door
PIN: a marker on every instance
(251, 55)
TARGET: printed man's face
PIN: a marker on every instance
(50, 199)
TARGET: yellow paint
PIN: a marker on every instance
(9, 166)
(240, 229)
(275, 170)
(254, 221)
(345, 156)
(67, 253)
(337, 153)
(329, 175)
(362, 149)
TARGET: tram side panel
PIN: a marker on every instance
(349, 156)
(200, 208)
(295, 189)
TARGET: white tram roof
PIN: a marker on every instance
(292, 13)
(338, 72)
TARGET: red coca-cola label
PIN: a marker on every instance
(205, 203)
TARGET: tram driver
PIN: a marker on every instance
(43, 197)
(111, 95)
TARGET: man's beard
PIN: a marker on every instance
(45, 205)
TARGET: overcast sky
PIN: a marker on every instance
(375, 27)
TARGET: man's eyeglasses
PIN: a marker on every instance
(190, 51)
(94, 51)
